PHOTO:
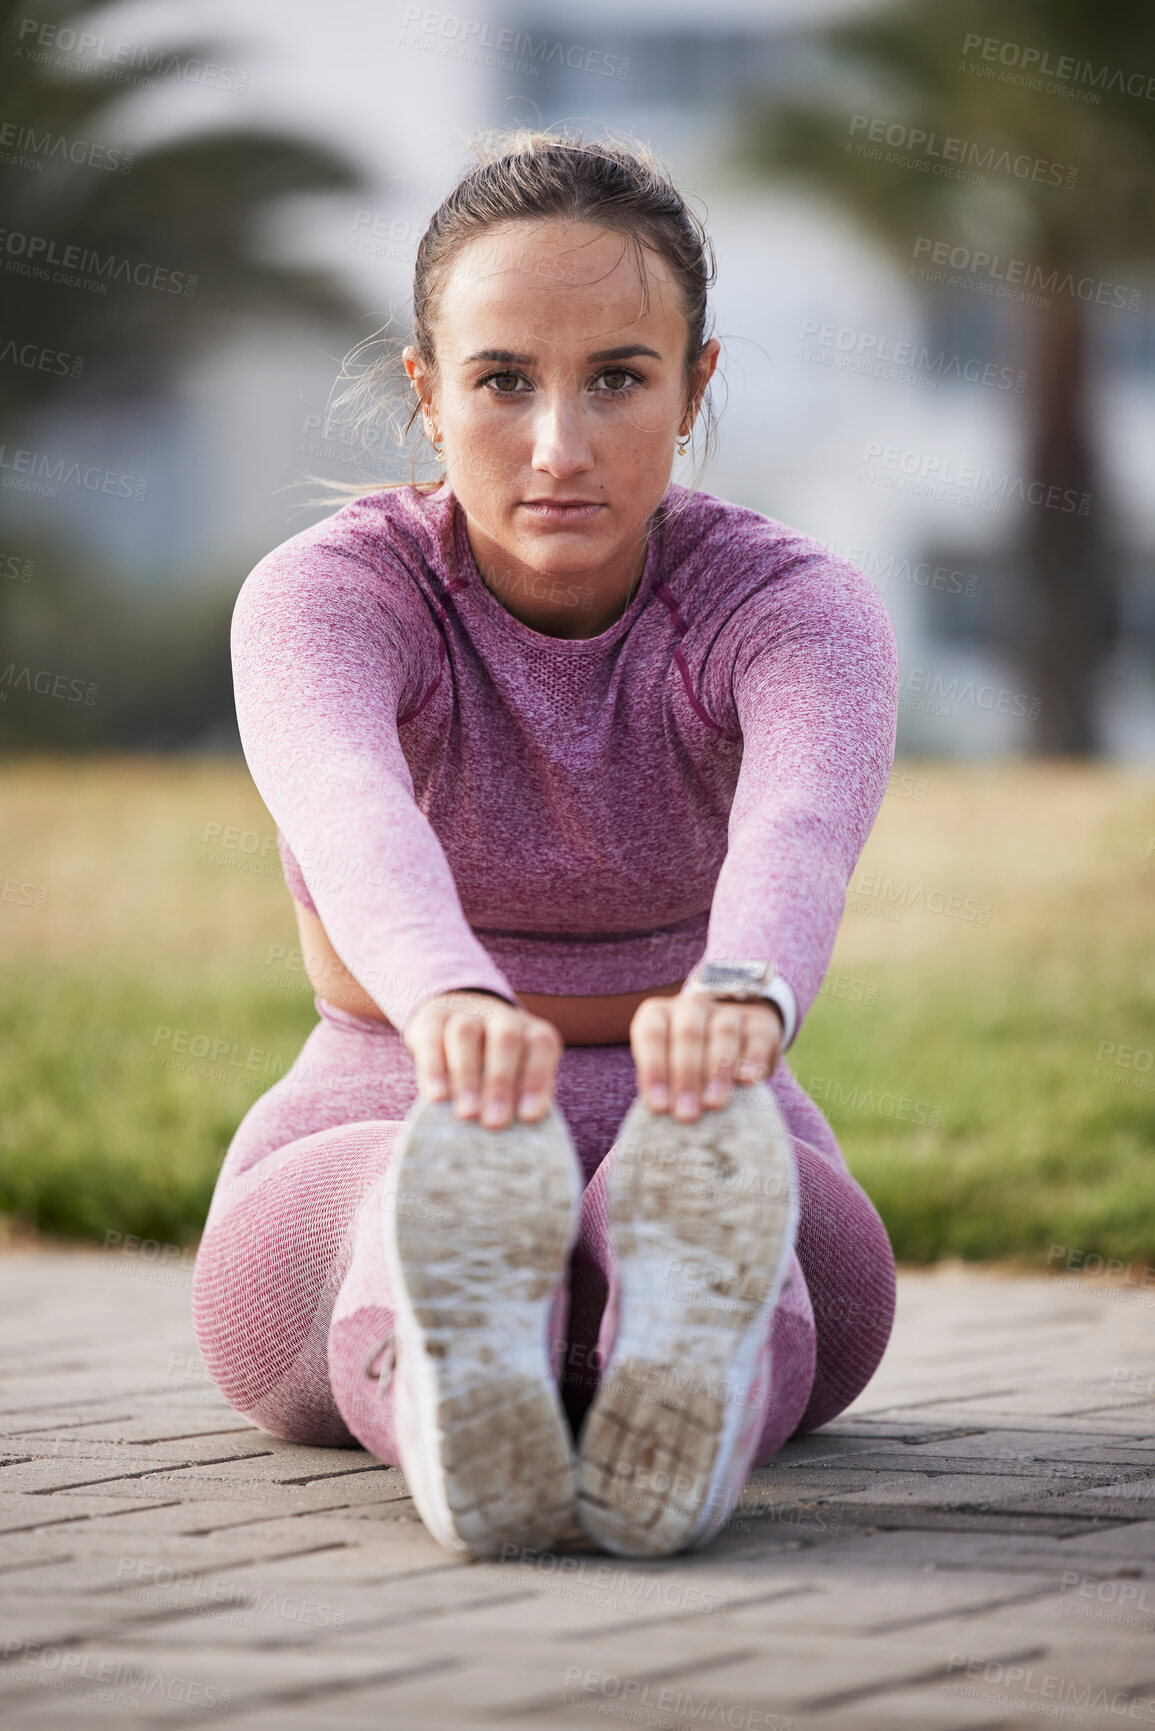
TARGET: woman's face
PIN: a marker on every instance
(553, 384)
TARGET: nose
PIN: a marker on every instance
(561, 443)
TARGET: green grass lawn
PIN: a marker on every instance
(99, 1133)
(969, 1068)
(1031, 1147)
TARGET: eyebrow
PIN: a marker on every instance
(625, 353)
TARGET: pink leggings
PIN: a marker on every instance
(290, 1300)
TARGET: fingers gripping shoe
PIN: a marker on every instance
(478, 1225)
(704, 1218)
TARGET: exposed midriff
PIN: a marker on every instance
(588, 1020)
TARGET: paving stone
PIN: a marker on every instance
(186, 1451)
(991, 1495)
(193, 1517)
(20, 1513)
(176, 1684)
(1135, 1540)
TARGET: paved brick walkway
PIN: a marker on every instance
(971, 1546)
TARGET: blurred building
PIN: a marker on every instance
(829, 353)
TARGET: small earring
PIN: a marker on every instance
(683, 445)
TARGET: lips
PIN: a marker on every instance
(563, 510)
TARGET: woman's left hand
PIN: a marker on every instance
(690, 1050)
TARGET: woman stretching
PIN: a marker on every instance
(571, 766)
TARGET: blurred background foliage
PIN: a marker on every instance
(992, 1084)
(908, 65)
(192, 205)
(203, 201)
(1019, 1046)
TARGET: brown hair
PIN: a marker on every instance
(529, 176)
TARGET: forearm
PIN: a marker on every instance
(817, 704)
(318, 685)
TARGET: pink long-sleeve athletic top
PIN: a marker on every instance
(468, 802)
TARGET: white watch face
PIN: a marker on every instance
(722, 976)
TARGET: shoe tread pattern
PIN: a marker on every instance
(703, 1217)
(483, 1224)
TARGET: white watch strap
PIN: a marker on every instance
(780, 992)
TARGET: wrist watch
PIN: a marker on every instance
(748, 983)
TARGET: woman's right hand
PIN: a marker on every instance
(491, 1059)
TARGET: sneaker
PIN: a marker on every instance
(478, 1227)
(704, 1218)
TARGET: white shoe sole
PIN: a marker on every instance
(478, 1227)
(704, 1217)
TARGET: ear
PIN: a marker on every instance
(418, 375)
(704, 372)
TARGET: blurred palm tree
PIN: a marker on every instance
(189, 206)
(187, 212)
(928, 67)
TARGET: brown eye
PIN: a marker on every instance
(619, 381)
